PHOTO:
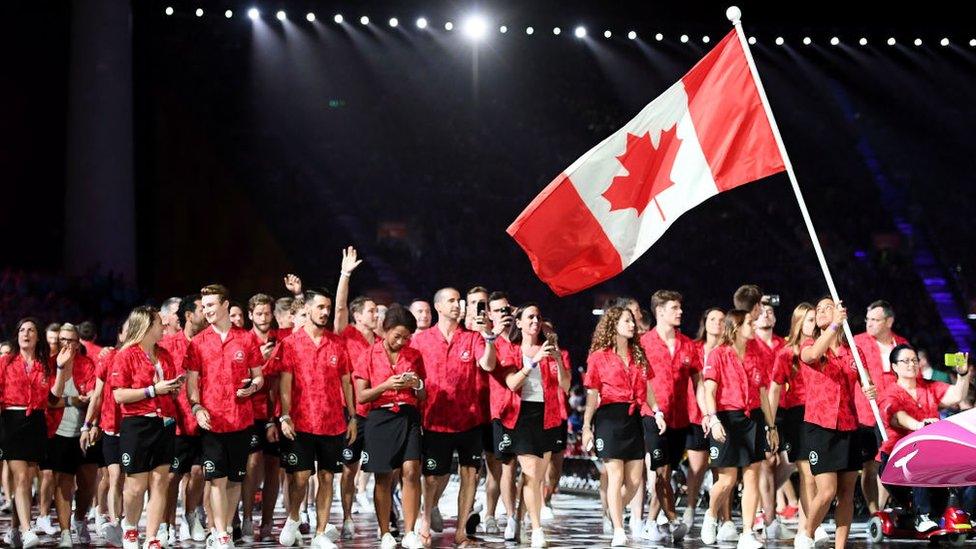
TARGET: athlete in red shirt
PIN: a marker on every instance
(421, 311)
(224, 370)
(144, 383)
(830, 430)
(315, 371)
(711, 326)
(500, 465)
(617, 383)
(910, 404)
(455, 360)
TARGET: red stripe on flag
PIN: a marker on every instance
(567, 247)
(729, 118)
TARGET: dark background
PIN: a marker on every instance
(263, 148)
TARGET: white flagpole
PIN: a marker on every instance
(735, 16)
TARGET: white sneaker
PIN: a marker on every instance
(727, 532)
(289, 533)
(437, 521)
(154, 543)
(43, 525)
(197, 532)
(509, 529)
(321, 541)
(924, 524)
(491, 526)
(607, 526)
(162, 534)
(100, 522)
(65, 542)
(331, 532)
(539, 538)
(247, 531)
(363, 501)
(28, 539)
(636, 526)
(130, 537)
(619, 538)
(225, 541)
(802, 541)
(547, 513)
(651, 532)
(709, 529)
(411, 541)
(821, 537)
(748, 540)
(348, 529)
(81, 528)
(775, 531)
(388, 541)
(112, 534)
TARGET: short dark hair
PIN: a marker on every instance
(397, 315)
(496, 295)
(53, 327)
(86, 330)
(357, 305)
(661, 298)
(747, 297)
(886, 307)
(188, 305)
(259, 299)
(893, 356)
(622, 301)
(283, 305)
(310, 293)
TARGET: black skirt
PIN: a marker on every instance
(23, 437)
(391, 439)
(529, 437)
(618, 434)
(789, 423)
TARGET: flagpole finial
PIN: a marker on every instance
(734, 14)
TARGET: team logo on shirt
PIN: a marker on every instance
(333, 360)
(363, 460)
(346, 454)
(126, 459)
(814, 457)
(599, 445)
(505, 443)
(292, 458)
(713, 452)
(431, 464)
(209, 466)
(465, 356)
(239, 356)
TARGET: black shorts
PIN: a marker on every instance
(831, 451)
(23, 437)
(696, 439)
(146, 443)
(488, 435)
(666, 449)
(760, 419)
(310, 452)
(501, 443)
(95, 454)
(225, 454)
(111, 452)
(186, 454)
(618, 434)
(353, 453)
(869, 441)
(529, 437)
(741, 446)
(64, 455)
(394, 437)
(439, 448)
(789, 423)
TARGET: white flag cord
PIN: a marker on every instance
(735, 16)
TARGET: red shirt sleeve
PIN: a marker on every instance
(344, 363)
(192, 361)
(713, 366)
(122, 372)
(361, 368)
(591, 380)
(256, 359)
(939, 390)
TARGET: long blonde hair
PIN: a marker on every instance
(140, 321)
(796, 331)
(605, 335)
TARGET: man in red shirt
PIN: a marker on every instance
(191, 321)
(454, 359)
(223, 364)
(315, 371)
(673, 358)
(500, 465)
(262, 463)
(876, 342)
(87, 332)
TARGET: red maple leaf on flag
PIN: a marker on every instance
(648, 171)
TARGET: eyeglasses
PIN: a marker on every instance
(912, 361)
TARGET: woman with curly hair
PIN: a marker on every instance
(618, 383)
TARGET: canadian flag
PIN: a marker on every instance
(706, 134)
